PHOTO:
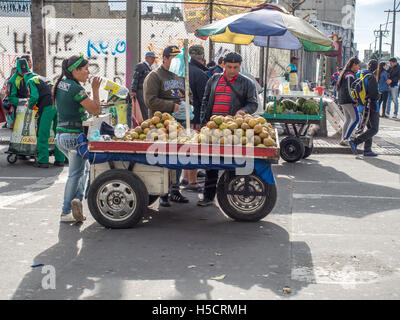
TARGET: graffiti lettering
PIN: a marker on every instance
(102, 47)
(22, 42)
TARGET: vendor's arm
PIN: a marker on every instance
(91, 105)
(12, 91)
(33, 94)
(204, 104)
(251, 99)
(151, 89)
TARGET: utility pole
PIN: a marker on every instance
(37, 38)
(210, 43)
(395, 7)
(133, 37)
(380, 34)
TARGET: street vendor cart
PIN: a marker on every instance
(127, 177)
(299, 143)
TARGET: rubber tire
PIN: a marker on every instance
(12, 158)
(137, 186)
(152, 199)
(308, 151)
(233, 213)
(292, 142)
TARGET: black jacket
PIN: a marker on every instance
(198, 81)
(394, 75)
(141, 71)
(345, 88)
(243, 85)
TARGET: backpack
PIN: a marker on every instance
(359, 88)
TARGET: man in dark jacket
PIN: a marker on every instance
(393, 82)
(197, 79)
(141, 71)
(373, 122)
(227, 93)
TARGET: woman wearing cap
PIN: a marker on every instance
(72, 103)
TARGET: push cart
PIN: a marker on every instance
(127, 177)
(298, 144)
(23, 141)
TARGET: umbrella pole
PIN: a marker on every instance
(266, 73)
(187, 85)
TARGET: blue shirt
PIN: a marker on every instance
(382, 85)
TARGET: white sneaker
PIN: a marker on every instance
(77, 210)
(67, 217)
(344, 143)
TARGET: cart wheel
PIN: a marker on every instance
(292, 149)
(152, 199)
(12, 158)
(118, 199)
(308, 151)
(242, 207)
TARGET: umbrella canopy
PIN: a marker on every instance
(285, 31)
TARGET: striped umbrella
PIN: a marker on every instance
(285, 31)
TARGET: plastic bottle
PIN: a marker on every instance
(115, 88)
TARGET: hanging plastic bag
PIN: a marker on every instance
(181, 113)
(178, 64)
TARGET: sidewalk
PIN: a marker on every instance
(387, 142)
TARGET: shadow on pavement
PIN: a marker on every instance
(125, 264)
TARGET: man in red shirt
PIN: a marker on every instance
(227, 93)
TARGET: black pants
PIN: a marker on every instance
(210, 186)
(373, 128)
(143, 108)
(383, 101)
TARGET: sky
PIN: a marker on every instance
(368, 17)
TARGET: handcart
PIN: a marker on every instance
(23, 141)
(127, 177)
(299, 144)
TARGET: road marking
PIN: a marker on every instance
(321, 196)
(22, 178)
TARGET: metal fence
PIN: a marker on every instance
(98, 29)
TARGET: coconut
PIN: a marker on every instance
(138, 130)
(245, 126)
(165, 116)
(216, 132)
(135, 135)
(257, 140)
(244, 141)
(226, 132)
(269, 142)
(258, 129)
(158, 114)
(155, 120)
(261, 145)
(212, 125)
(250, 133)
(236, 140)
(159, 125)
(218, 120)
(142, 136)
(253, 123)
(232, 125)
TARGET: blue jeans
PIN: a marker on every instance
(393, 96)
(77, 172)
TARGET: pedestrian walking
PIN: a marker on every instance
(393, 82)
(227, 93)
(72, 102)
(163, 91)
(382, 77)
(372, 96)
(346, 79)
(40, 99)
(141, 71)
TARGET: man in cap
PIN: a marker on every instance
(228, 93)
(393, 82)
(163, 91)
(141, 71)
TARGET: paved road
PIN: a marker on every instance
(332, 235)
